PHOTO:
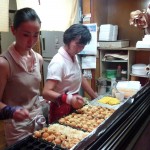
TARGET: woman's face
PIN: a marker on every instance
(75, 47)
(26, 34)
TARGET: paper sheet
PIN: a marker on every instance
(91, 48)
(89, 62)
(120, 56)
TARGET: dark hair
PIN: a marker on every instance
(23, 15)
(77, 31)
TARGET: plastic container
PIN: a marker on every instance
(101, 83)
(119, 96)
(113, 86)
(139, 69)
(111, 73)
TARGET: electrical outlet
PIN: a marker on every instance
(56, 40)
(57, 46)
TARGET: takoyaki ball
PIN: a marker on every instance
(106, 116)
(51, 132)
(89, 117)
(57, 141)
(45, 129)
(66, 118)
(98, 121)
(63, 137)
(90, 129)
(88, 123)
(100, 116)
(65, 144)
(90, 113)
(58, 134)
(85, 134)
(85, 107)
(73, 142)
(77, 120)
(95, 125)
(50, 138)
(45, 135)
(37, 134)
(85, 127)
(68, 123)
(62, 120)
(73, 114)
(102, 120)
(84, 115)
(100, 110)
(79, 125)
(69, 117)
(75, 117)
(80, 111)
(80, 118)
(71, 120)
(73, 124)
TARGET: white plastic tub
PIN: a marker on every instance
(139, 69)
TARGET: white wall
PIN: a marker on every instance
(6, 37)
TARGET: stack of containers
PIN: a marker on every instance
(144, 43)
(108, 32)
(139, 69)
(128, 88)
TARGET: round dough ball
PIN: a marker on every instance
(37, 134)
(45, 135)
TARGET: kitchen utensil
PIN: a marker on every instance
(37, 120)
(86, 101)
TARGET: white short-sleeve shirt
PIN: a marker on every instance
(67, 72)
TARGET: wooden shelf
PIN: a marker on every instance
(114, 60)
(108, 64)
(126, 48)
(143, 76)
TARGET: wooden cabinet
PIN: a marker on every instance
(132, 54)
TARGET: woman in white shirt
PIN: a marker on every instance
(64, 77)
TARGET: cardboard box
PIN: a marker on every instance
(113, 44)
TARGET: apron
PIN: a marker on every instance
(58, 110)
(16, 131)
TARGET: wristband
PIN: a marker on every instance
(7, 112)
(66, 98)
(69, 98)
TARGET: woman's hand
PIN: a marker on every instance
(77, 101)
(21, 114)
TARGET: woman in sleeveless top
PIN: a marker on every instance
(64, 76)
(20, 77)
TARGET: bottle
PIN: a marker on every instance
(113, 86)
(118, 76)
